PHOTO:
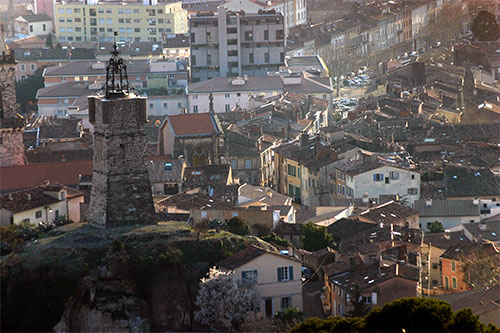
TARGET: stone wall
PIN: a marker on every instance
(11, 147)
(121, 191)
(8, 90)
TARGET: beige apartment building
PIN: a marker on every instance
(90, 20)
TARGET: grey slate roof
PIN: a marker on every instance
(446, 208)
(36, 18)
(479, 301)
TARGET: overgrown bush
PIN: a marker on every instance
(289, 318)
(275, 239)
(261, 230)
(237, 226)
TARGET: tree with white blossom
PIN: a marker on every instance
(222, 299)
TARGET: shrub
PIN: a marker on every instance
(237, 226)
(275, 239)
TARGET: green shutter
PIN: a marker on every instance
(290, 273)
(279, 274)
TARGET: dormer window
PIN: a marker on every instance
(62, 195)
(167, 166)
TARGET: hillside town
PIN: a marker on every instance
(249, 165)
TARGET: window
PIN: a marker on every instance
(78, 29)
(250, 276)
(195, 108)
(57, 213)
(69, 10)
(167, 166)
(137, 29)
(61, 10)
(394, 175)
(32, 67)
(266, 57)
(78, 20)
(279, 34)
(136, 11)
(128, 11)
(179, 105)
(209, 36)
(165, 105)
(454, 282)
(26, 221)
(120, 20)
(129, 30)
(378, 177)
(23, 67)
(62, 29)
(120, 11)
(234, 164)
(128, 21)
(231, 30)
(266, 34)
(412, 176)
(412, 191)
(285, 273)
(151, 106)
(209, 59)
(227, 108)
(77, 10)
(109, 21)
(38, 214)
(227, 95)
(249, 35)
(292, 170)
(250, 58)
(285, 303)
(203, 214)
(248, 164)
(101, 21)
(453, 266)
(193, 60)
(446, 283)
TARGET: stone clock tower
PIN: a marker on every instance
(121, 192)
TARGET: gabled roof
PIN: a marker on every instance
(245, 256)
(35, 18)
(193, 200)
(388, 212)
(265, 195)
(485, 230)
(33, 198)
(479, 301)
(193, 124)
(467, 182)
(446, 208)
(444, 241)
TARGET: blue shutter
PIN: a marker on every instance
(375, 177)
(381, 176)
(279, 274)
(256, 276)
(290, 273)
(243, 275)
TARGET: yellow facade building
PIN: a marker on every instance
(77, 21)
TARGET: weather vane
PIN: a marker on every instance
(116, 74)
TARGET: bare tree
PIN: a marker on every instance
(480, 271)
(446, 25)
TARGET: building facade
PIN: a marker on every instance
(82, 21)
(235, 44)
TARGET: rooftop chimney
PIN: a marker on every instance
(482, 226)
(428, 203)
(447, 234)
(475, 201)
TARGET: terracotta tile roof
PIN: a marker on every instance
(484, 250)
(192, 200)
(443, 241)
(34, 197)
(479, 301)
(247, 255)
(193, 124)
(27, 176)
(388, 213)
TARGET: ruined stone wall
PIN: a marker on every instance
(8, 90)
(11, 146)
(121, 192)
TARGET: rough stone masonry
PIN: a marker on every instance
(121, 192)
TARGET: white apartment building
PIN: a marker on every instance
(377, 178)
(227, 43)
(294, 11)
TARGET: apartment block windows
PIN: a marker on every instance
(279, 34)
(193, 60)
(209, 36)
(250, 58)
(231, 30)
(292, 170)
(209, 59)
(266, 34)
(193, 37)
(227, 107)
(234, 164)
(266, 57)
(248, 164)
(249, 35)
(285, 273)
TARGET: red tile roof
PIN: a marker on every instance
(192, 124)
(31, 175)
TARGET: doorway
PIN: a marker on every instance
(269, 307)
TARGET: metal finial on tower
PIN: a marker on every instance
(116, 74)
